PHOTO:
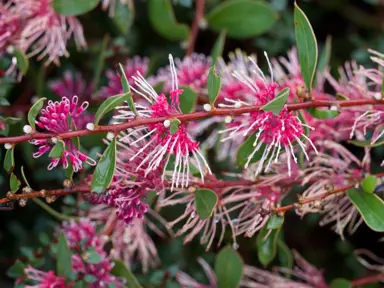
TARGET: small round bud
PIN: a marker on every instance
(167, 123)
(54, 140)
(8, 146)
(317, 204)
(50, 199)
(228, 119)
(22, 202)
(378, 96)
(14, 60)
(67, 183)
(237, 105)
(203, 24)
(27, 129)
(207, 107)
(110, 136)
(90, 126)
(235, 246)
(184, 44)
(303, 93)
(10, 49)
(43, 193)
(10, 195)
(191, 189)
(334, 108)
(328, 187)
(27, 189)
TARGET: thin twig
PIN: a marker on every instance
(367, 280)
(199, 14)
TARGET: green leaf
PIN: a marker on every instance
(245, 150)
(69, 171)
(9, 160)
(92, 257)
(174, 126)
(74, 7)
(370, 207)
(80, 284)
(242, 18)
(214, 86)
(218, 48)
(109, 104)
(275, 221)
(369, 184)
(90, 278)
(4, 102)
(22, 61)
(57, 150)
(34, 111)
(325, 56)
(306, 46)
(266, 242)
(284, 254)
(123, 17)
(64, 255)
(119, 269)
(341, 96)
(188, 99)
(126, 89)
(16, 270)
(277, 104)
(228, 268)
(366, 143)
(102, 177)
(14, 183)
(163, 20)
(341, 283)
(12, 120)
(322, 114)
(205, 202)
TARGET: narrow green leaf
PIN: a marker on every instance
(16, 270)
(57, 150)
(218, 47)
(22, 61)
(109, 104)
(370, 207)
(284, 254)
(74, 7)
(64, 262)
(341, 96)
(242, 18)
(14, 183)
(9, 160)
(341, 283)
(119, 269)
(205, 202)
(214, 86)
(366, 143)
(228, 268)
(306, 46)
(266, 242)
(369, 183)
(245, 150)
(34, 111)
(92, 257)
(275, 221)
(382, 87)
(126, 89)
(188, 99)
(277, 104)
(163, 20)
(325, 56)
(12, 120)
(322, 113)
(102, 177)
(69, 171)
(123, 17)
(174, 126)
(100, 61)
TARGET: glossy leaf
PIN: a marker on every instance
(369, 183)
(340, 283)
(322, 113)
(163, 21)
(277, 104)
(218, 47)
(366, 143)
(14, 183)
(284, 254)
(9, 160)
(245, 150)
(275, 221)
(188, 99)
(174, 126)
(214, 85)
(22, 61)
(370, 207)
(16, 270)
(266, 243)
(34, 111)
(205, 202)
(57, 150)
(64, 255)
(119, 269)
(92, 257)
(228, 268)
(306, 46)
(123, 17)
(126, 89)
(103, 175)
(325, 56)
(69, 171)
(242, 18)
(74, 7)
(109, 104)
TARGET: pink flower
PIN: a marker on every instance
(55, 118)
(179, 144)
(44, 279)
(71, 84)
(131, 67)
(273, 132)
(10, 25)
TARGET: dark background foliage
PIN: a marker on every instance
(354, 26)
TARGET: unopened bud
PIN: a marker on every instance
(237, 105)
(27, 189)
(8, 146)
(27, 129)
(110, 136)
(334, 108)
(10, 49)
(10, 195)
(67, 183)
(207, 107)
(54, 140)
(43, 193)
(378, 96)
(22, 202)
(228, 119)
(303, 93)
(167, 123)
(90, 126)
(203, 24)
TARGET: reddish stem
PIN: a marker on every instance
(367, 280)
(199, 14)
(186, 117)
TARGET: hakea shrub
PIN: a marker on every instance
(221, 144)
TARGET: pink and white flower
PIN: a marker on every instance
(44, 279)
(71, 84)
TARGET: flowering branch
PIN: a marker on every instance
(116, 128)
(367, 280)
(199, 15)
